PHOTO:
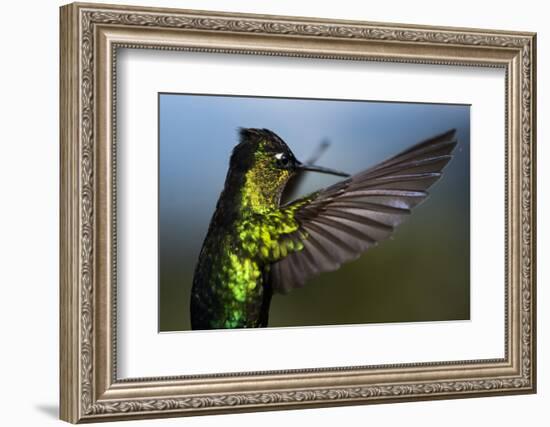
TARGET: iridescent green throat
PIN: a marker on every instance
(263, 184)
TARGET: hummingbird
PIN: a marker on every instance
(255, 246)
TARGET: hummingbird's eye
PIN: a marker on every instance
(282, 159)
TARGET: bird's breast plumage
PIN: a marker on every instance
(231, 287)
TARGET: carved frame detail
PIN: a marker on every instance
(89, 387)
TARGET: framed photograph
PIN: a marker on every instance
(267, 212)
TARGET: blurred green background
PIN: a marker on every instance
(421, 274)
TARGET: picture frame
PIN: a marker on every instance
(91, 37)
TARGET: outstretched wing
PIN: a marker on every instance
(340, 222)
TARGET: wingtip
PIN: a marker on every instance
(452, 135)
(448, 135)
(448, 138)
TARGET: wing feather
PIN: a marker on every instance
(340, 222)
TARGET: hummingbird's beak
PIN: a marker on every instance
(320, 169)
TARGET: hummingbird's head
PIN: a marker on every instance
(266, 163)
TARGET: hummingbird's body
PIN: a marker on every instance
(255, 247)
(247, 234)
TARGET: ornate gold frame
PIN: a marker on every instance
(90, 35)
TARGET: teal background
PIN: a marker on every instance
(421, 274)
